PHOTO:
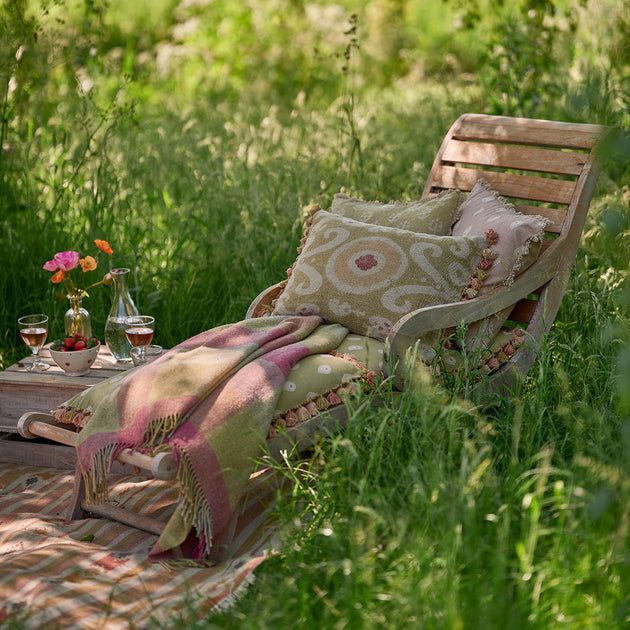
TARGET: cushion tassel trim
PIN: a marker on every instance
(72, 415)
(521, 252)
(488, 256)
(332, 398)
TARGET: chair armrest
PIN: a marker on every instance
(411, 327)
(256, 308)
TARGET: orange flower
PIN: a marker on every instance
(103, 246)
(63, 265)
(88, 263)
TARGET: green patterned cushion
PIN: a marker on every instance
(445, 359)
(366, 277)
(430, 216)
(320, 374)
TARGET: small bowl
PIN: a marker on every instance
(76, 362)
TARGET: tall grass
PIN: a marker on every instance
(196, 150)
(427, 513)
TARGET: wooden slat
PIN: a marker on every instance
(18, 450)
(514, 157)
(542, 133)
(508, 185)
(145, 523)
(546, 244)
(264, 299)
(33, 454)
(557, 215)
(524, 311)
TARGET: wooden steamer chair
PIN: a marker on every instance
(543, 167)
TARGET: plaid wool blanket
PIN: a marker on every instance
(210, 400)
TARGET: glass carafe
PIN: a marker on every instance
(122, 308)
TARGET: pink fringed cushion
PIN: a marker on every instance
(518, 236)
(515, 237)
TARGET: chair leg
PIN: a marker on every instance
(76, 511)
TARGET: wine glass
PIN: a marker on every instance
(34, 330)
(139, 331)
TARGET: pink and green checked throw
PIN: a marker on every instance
(210, 400)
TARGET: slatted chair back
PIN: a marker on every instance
(542, 167)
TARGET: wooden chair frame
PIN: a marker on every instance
(553, 164)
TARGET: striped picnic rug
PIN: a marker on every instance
(94, 573)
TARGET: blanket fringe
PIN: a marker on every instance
(96, 476)
(72, 415)
(194, 508)
(158, 430)
(232, 598)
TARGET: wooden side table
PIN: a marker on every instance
(22, 391)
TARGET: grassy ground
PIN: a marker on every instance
(196, 150)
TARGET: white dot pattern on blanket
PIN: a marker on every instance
(355, 347)
(289, 386)
(324, 369)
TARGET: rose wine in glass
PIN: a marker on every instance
(139, 331)
(34, 330)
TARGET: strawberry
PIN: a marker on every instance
(79, 345)
(69, 342)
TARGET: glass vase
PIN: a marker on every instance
(76, 319)
(122, 307)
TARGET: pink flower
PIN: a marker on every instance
(66, 261)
